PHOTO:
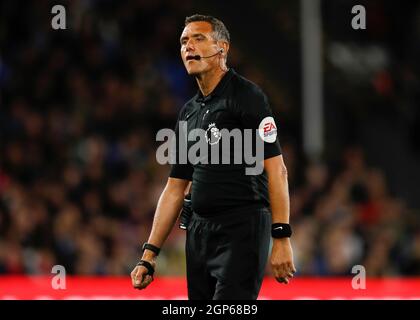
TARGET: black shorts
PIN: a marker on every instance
(227, 254)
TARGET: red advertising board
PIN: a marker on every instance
(167, 288)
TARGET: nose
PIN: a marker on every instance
(189, 46)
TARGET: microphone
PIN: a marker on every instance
(197, 57)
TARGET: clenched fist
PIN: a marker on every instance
(142, 274)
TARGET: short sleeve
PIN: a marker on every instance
(179, 169)
(256, 114)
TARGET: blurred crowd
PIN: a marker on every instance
(79, 181)
(345, 216)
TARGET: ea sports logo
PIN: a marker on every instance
(268, 130)
(213, 134)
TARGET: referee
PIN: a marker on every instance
(234, 214)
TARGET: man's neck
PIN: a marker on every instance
(209, 80)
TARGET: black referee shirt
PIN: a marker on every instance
(235, 103)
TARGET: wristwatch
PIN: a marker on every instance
(150, 247)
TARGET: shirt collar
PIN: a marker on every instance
(219, 88)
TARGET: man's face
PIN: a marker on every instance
(197, 39)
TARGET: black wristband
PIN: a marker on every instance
(150, 247)
(148, 266)
(281, 230)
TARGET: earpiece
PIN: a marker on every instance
(221, 50)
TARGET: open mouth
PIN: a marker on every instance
(190, 58)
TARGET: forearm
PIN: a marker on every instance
(281, 254)
(167, 211)
(279, 195)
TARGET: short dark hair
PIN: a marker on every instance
(220, 32)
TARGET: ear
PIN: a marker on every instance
(225, 47)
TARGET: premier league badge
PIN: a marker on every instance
(213, 134)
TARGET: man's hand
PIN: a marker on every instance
(282, 260)
(139, 277)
